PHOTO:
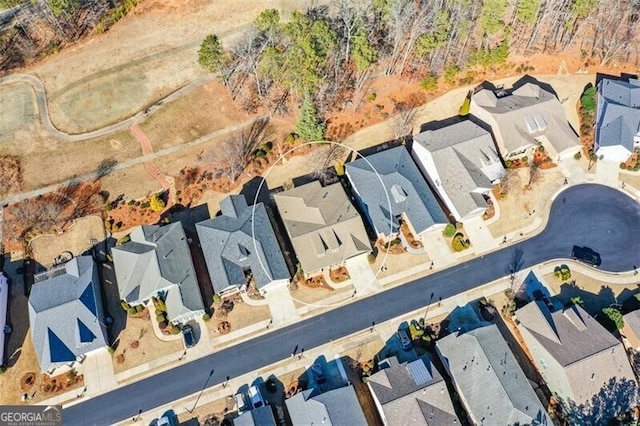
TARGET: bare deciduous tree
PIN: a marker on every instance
(509, 180)
(403, 121)
(232, 155)
(534, 174)
(322, 158)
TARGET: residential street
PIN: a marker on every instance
(596, 216)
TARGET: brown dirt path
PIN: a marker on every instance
(150, 166)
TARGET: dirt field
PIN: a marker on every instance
(77, 240)
(17, 109)
(120, 182)
(198, 113)
(150, 347)
(305, 295)
(241, 316)
(46, 160)
(516, 206)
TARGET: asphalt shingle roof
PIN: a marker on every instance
(412, 393)
(262, 416)
(405, 187)
(521, 108)
(339, 407)
(158, 259)
(65, 313)
(579, 344)
(618, 112)
(492, 384)
(323, 226)
(466, 160)
(242, 238)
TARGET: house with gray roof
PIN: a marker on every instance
(240, 243)
(325, 229)
(488, 379)
(631, 330)
(575, 355)
(157, 263)
(66, 313)
(262, 416)
(411, 393)
(523, 116)
(461, 162)
(390, 189)
(617, 118)
(335, 407)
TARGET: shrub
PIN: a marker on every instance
(508, 164)
(108, 207)
(206, 317)
(558, 273)
(588, 99)
(161, 317)
(216, 298)
(525, 159)
(145, 205)
(371, 258)
(132, 310)
(162, 325)
(125, 306)
(290, 138)
(450, 74)
(464, 108)
(429, 83)
(259, 153)
(449, 230)
(541, 148)
(615, 316)
(175, 329)
(577, 155)
(459, 243)
(139, 308)
(156, 203)
(266, 147)
(372, 96)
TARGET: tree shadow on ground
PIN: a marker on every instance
(616, 397)
(592, 303)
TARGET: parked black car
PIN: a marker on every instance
(189, 339)
(586, 255)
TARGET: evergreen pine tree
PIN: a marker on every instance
(308, 126)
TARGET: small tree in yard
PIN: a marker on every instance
(211, 54)
(309, 126)
(156, 203)
(615, 316)
(508, 181)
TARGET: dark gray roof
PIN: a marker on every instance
(618, 112)
(525, 113)
(239, 240)
(338, 407)
(262, 416)
(412, 391)
(492, 384)
(579, 344)
(158, 260)
(407, 190)
(466, 160)
(65, 313)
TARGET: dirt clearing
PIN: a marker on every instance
(17, 108)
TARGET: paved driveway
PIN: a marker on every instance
(597, 216)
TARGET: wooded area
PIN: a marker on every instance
(32, 28)
(327, 54)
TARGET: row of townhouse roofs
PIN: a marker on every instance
(450, 175)
(580, 362)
